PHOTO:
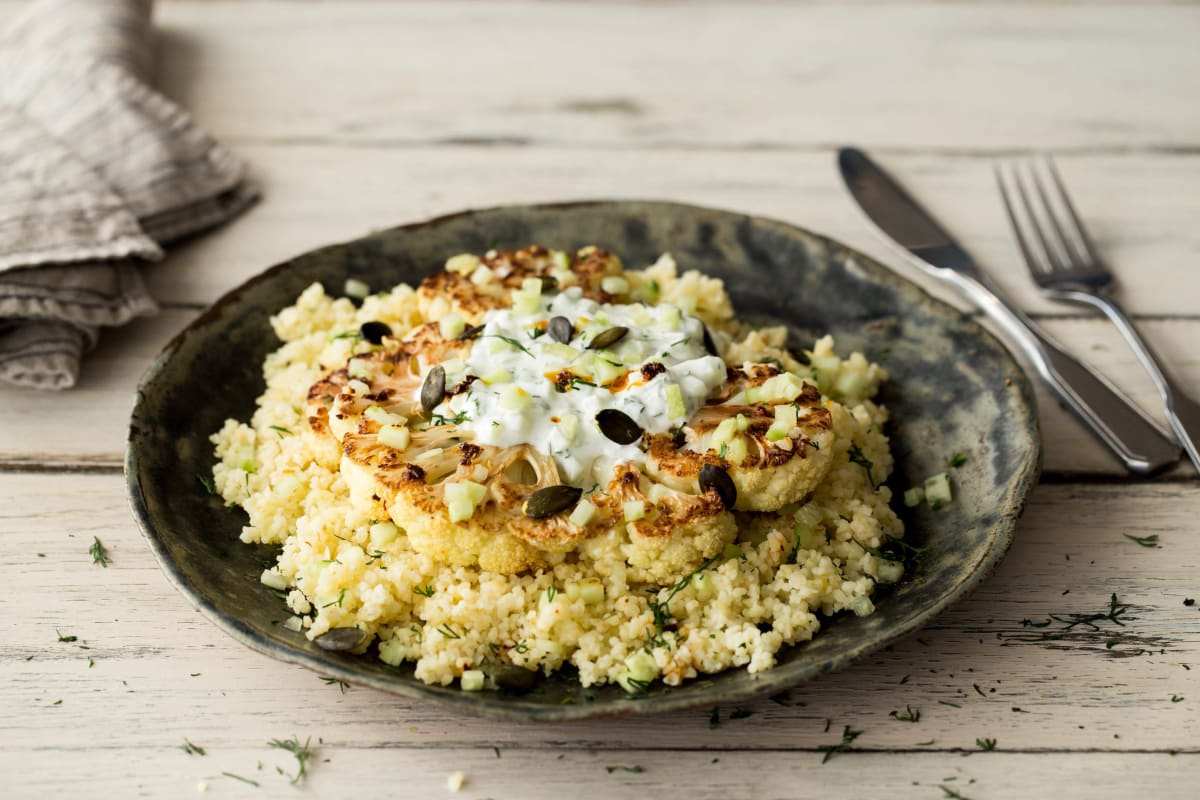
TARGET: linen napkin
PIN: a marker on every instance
(97, 172)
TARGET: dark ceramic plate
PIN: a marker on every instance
(953, 389)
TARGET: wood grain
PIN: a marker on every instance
(1081, 689)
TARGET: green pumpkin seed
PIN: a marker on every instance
(514, 678)
(717, 479)
(551, 500)
(340, 639)
(608, 338)
(434, 388)
(618, 426)
(470, 333)
(374, 331)
(560, 329)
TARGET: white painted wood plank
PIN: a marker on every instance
(1141, 209)
(712, 75)
(86, 427)
(162, 673)
(338, 771)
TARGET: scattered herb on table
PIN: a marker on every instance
(338, 682)
(192, 749)
(957, 460)
(948, 703)
(986, 744)
(240, 778)
(1176, 698)
(741, 713)
(635, 769)
(1144, 541)
(98, 552)
(910, 714)
(1189, 601)
(979, 691)
(950, 793)
(848, 737)
(714, 718)
(300, 751)
(496, 750)
(62, 638)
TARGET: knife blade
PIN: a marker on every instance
(1141, 445)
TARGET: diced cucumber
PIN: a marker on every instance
(472, 680)
(737, 451)
(591, 591)
(378, 415)
(496, 376)
(937, 490)
(914, 497)
(451, 325)
(676, 408)
(641, 666)
(634, 510)
(862, 606)
(356, 289)
(725, 432)
(514, 398)
(583, 513)
(395, 436)
(463, 262)
(360, 368)
(614, 284)
(383, 534)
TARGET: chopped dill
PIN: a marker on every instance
(957, 460)
(510, 340)
(457, 419)
(300, 751)
(635, 769)
(282, 431)
(240, 778)
(848, 737)
(857, 457)
(910, 714)
(986, 745)
(62, 638)
(192, 749)
(206, 483)
(425, 591)
(951, 794)
(338, 682)
(661, 609)
(98, 552)
(445, 630)
(1144, 541)
(341, 596)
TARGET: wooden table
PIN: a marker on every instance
(362, 115)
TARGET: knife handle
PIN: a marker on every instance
(1141, 445)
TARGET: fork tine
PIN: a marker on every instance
(1031, 260)
(1053, 259)
(1081, 235)
(1068, 249)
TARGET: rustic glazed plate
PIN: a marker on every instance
(953, 389)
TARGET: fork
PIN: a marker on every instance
(1063, 263)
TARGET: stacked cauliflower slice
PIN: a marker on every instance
(762, 441)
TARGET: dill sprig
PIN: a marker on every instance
(98, 551)
(513, 342)
(338, 682)
(445, 630)
(300, 751)
(192, 749)
(857, 457)
(661, 609)
(424, 591)
(910, 714)
(848, 737)
(986, 744)
(206, 483)
(1144, 541)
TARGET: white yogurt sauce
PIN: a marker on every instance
(518, 401)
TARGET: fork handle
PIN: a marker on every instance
(1183, 412)
(1141, 445)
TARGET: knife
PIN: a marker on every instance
(1141, 445)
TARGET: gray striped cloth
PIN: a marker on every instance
(97, 172)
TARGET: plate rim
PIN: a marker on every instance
(514, 708)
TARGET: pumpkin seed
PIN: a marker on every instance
(717, 479)
(434, 388)
(560, 329)
(618, 426)
(549, 283)
(709, 344)
(340, 639)
(374, 332)
(470, 333)
(608, 338)
(551, 500)
(514, 678)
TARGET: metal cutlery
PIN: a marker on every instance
(1140, 444)
(1064, 264)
